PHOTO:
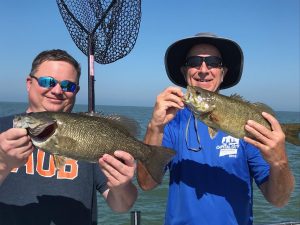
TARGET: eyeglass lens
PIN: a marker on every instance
(49, 82)
(210, 61)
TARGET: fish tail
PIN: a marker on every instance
(156, 163)
(292, 131)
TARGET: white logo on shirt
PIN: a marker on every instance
(229, 146)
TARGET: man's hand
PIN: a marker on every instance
(271, 143)
(15, 148)
(119, 170)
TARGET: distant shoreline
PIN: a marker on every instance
(149, 107)
(80, 104)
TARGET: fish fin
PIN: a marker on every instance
(212, 132)
(292, 131)
(257, 105)
(126, 124)
(263, 108)
(97, 114)
(238, 97)
(59, 161)
(156, 163)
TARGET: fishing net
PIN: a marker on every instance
(104, 30)
(108, 27)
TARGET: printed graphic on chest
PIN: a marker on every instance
(45, 167)
(229, 146)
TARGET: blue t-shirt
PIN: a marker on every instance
(38, 194)
(211, 184)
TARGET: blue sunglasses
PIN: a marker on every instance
(50, 82)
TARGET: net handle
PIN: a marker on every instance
(91, 62)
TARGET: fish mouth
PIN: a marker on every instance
(196, 100)
(188, 97)
(43, 134)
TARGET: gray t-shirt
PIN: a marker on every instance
(38, 194)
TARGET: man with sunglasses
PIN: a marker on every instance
(212, 173)
(37, 193)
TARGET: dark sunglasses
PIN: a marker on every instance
(50, 82)
(210, 61)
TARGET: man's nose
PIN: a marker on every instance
(57, 89)
(203, 68)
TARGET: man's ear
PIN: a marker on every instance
(224, 71)
(77, 89)
(28, 83)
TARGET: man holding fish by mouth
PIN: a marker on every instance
(212, 173)
(39, 193)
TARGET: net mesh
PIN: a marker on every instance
(112, 26)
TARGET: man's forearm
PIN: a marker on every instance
(280, 185)
(121, 200)
(154, 135)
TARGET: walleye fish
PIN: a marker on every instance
(85, 137)
(230, 114)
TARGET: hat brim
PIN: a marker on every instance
(231, 53)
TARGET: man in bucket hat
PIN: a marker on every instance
(207, 187)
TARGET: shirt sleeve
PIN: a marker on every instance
(167, 138)
(171, 132)
(259, 168)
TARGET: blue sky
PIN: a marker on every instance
(267, 31)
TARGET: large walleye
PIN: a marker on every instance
(84, 137)
(230, 114)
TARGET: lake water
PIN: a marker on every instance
(152, 204)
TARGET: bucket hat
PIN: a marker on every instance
(231, 53)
